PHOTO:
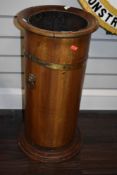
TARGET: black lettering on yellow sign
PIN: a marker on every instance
(104, 12)
(99, 9)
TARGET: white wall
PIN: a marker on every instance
(100, 86)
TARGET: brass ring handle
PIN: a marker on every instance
(31, 80)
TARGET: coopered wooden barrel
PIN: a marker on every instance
(56, 44)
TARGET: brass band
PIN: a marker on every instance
(46, 64)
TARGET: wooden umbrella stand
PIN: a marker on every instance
(56, 44)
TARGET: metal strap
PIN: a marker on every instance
(46, 64)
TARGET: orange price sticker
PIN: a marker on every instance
(74, 48)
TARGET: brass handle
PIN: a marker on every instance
(31, 80)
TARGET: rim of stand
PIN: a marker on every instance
(22, 16)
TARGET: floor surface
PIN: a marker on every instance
(98, 154)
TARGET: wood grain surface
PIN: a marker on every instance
(56, 45)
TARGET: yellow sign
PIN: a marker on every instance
(105, 11)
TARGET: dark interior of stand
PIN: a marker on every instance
(58, 21)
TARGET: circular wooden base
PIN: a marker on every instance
(50, 155)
